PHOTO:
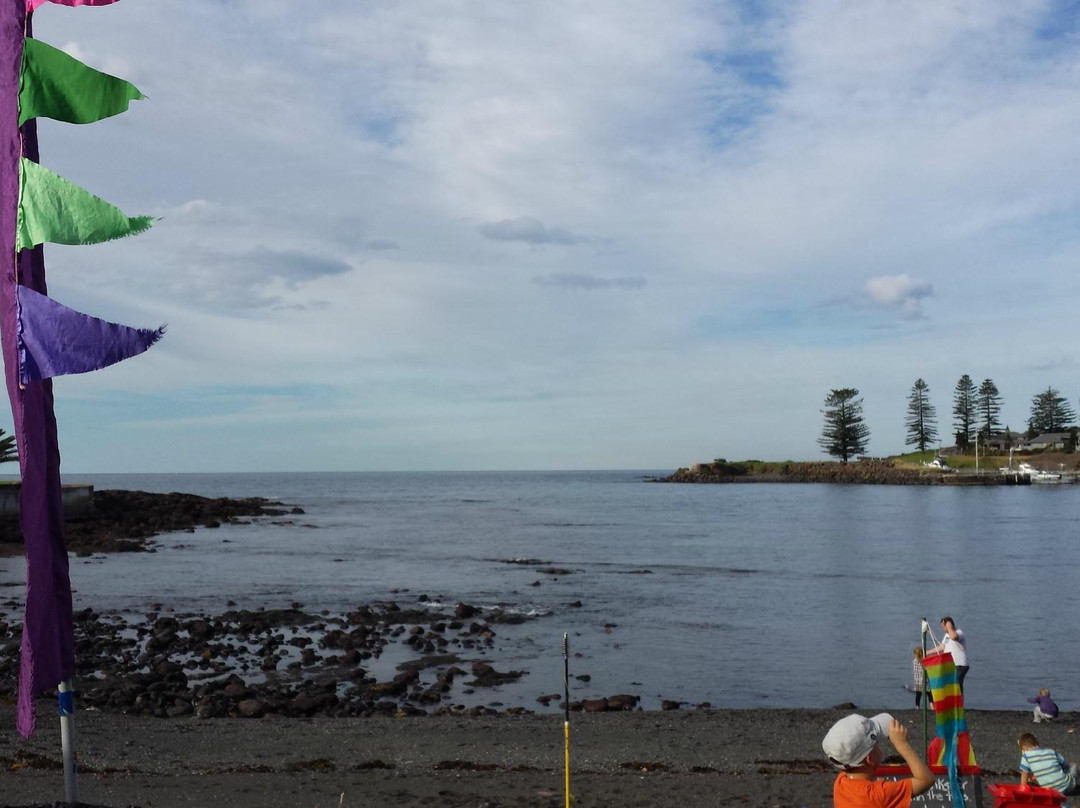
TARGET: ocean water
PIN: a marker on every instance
(766, 595)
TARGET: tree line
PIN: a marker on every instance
(976, 416)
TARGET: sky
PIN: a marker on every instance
(621, 234)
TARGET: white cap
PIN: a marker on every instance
(851, 739)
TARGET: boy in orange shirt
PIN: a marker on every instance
(853, 744)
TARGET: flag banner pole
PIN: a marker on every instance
(37, 206)
(66, 701)
(566, 713)
(925, 696)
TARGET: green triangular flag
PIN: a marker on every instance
(55, 85)
(55, 210)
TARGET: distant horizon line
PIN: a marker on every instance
(15, 476)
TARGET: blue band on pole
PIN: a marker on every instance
(66, 702)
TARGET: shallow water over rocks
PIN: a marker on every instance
(740, 596)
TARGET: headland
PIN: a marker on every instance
(868, 471)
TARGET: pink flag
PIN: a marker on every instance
(32, 4)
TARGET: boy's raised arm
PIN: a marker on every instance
(921, 776)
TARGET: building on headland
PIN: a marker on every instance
(1049, 440)
(1003, 441)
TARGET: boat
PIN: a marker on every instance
(1047, 477)
(939, 463)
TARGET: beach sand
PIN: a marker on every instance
(682, 758)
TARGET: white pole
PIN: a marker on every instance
(67, 742)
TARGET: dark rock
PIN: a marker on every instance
(397, 686)
(507, 618)
(306, 705)
(252, 708)
(463, 611)
(622, 702)
(486, 676)
(180, 708)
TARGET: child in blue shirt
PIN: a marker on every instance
(1046, 766)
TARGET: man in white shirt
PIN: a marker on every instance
(955, 644)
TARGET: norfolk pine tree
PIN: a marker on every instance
(844, 433)
(1050, 412)
(965, 406)
(921, 418)
(989, 408)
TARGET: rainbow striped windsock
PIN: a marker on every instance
(948, 714)
(948, 699)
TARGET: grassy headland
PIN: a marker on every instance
(907, 469)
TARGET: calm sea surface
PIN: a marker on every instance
(740, 595)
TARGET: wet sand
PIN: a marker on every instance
(682, 758)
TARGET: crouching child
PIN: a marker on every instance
(1045, 766)
(854, 744)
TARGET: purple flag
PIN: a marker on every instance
(47, 655)
(56, 341)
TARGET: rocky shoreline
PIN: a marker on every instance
(125, 521)
(398, 658)
(287, 662)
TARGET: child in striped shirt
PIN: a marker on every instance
(1047, 767)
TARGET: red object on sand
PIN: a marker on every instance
(966, 764)
(1010, 794)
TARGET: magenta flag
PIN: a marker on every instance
(47, 654)
(56, 341)
(32, 4)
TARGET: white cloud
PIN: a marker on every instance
(383, 200)
(900, 292)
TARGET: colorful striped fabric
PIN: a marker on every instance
(948, 700)
(965, 755)
(949, 716)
